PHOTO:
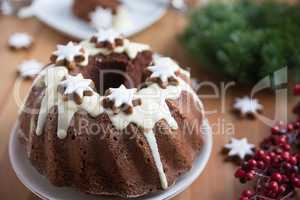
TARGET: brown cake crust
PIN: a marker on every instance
(83, 8)
(112, 162)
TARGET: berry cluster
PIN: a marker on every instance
(275, 166)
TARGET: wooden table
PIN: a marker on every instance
(215, 183)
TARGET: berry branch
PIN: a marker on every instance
(274, 169)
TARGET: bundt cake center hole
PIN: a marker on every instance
(108, 73)
(112, 79)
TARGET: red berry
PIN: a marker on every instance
(297, 90)
(275, 129)
(273, 186)
(247, 193)
(252, 163)
(260, 153)
(286, 155)
(296, 125)
(281, 189)
(281, 140)
(266, 159)
(244, 198)
(287, 167)
(261, 165)
(286, 147)
(250, 175)
(276, 177)
(296, 182)
(293, 160)
(240, 173)
(272, 154)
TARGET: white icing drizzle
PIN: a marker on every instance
(150, 137)
(152, 109)
(130, 48)
(51, 78)
(66, 111)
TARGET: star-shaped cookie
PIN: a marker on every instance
(121, 99)
(239, 148)
(19, 41)
(247, 106)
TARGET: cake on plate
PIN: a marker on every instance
(102, 13)
(108, 116)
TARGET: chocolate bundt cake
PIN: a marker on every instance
(102, 13)
(109, 117)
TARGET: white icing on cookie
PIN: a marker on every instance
(240, 148)
(247, 105)
(122, 95)
(101, 18)
(162, 72)
(67, 52)
(107, 35)
(30, 68)
(170, 64)
(76, 84)
(20, 40)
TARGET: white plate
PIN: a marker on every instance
(40, 186)
(58, 14)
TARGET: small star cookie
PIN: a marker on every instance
(107, 38)
(20, 41)
(30, 68)
(164, 72)
(76, 87)
(101, 18)
(239, 148)
(121, 99)
(69, 55)
(247, 106)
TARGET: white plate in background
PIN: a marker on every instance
(58, 15)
